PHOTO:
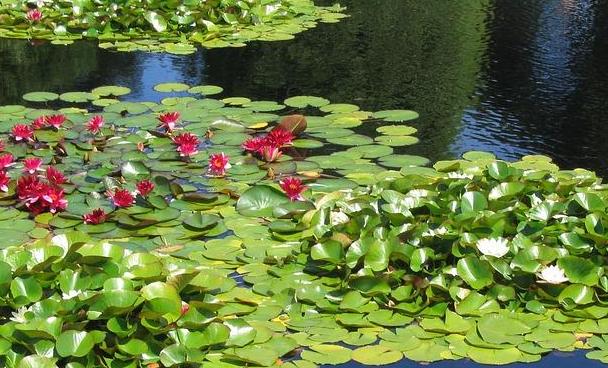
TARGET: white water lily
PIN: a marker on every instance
(495, 247)
(418, 193)
(71, 294)
(459, 175)
(19, 315)
(553, 275)
(452, 271)
(338, 218)
(272, 8)
(441, 230)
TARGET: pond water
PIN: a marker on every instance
(511, 77)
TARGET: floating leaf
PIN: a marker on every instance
(260, 201)
(376, 355)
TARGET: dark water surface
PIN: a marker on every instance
(513, 77)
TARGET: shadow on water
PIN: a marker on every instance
(512, 77)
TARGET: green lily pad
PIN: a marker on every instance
(171, 87)
(396, 141)
(40, 96)
(259, 201)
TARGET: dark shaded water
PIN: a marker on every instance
(513, 77)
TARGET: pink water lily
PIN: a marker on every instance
(31, 165)
(54, 176)
(6, 160)
(22, 132)
(39, 122)
(293, 187)
(254, 145)
(34, 15)
(168, 120)
(55, 197)
(56, 121)
(144, 187)
(280, 137)
(187, 144)
(218, 164)
(95, 124)
(98, 216)
(4, 180)
(271, 153)
(39, 196)
(122, 198)
(268, 147)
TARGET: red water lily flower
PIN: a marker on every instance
(187, 150)
(32, 192)
(34, 15)
(95, 123)
(271, 153)
(39, 122)
(168, 120)
(218, 164)
(55, 197)
(39, 196)
(144, 187)
(22, 132)
(186, 138)
(293, 187)
(32, 164)
(4, 180)
(96, 217)
(2, 147)
(36, 207)
(54, 176)
(187, 144)
(6, 160)
(254, 145)
(280, 137)
(268, 147)
(56, 121)
(29, 188)
(122, 198)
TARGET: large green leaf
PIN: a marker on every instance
(259, 201)
(162, 297)
(376, 355)
(330, 251)
(378, 255)
(327, 354)
(580, 270)
(475, 272)
(473, 202)
(74, 343)
(156, 20)
(241, 333)
(134, 169)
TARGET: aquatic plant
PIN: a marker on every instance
(168, 26)
(131, 254)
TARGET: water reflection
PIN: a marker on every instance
(536, 95)
(512, 77)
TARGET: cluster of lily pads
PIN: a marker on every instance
(170, 26)
(220, 232)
